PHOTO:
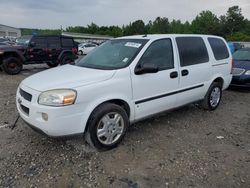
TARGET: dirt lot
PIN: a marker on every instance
(187, 147)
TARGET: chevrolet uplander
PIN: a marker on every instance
(125, 80)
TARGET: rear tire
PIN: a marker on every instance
(107, 126)
(213, 97)
(52, 64)
(12, 65)
(66, 60)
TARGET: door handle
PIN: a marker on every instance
(174, 74)
(184, 72)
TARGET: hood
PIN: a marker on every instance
(67, 76)
(242, 64)
(10, 48)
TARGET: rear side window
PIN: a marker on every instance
(54, 42)
(219, 48)
(159, 53)
(40, 42)
(67, 42)
(192, 50)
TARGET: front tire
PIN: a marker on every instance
(12, 65)
(213, 97)
(107, 126)
(52, 64)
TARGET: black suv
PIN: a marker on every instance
(53, 50)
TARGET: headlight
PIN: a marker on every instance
(57, 97)
(1, 52)
(247, 72)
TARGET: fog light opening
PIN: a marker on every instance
(45, 116)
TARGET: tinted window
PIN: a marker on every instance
(159, 53)
(192, 50)
(219, 48)
(67, 42)
(40, 42)
(54, 42)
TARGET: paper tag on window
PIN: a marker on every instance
(133, 44)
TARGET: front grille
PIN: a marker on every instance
(238, 71)
(25, 109)
(25, 95)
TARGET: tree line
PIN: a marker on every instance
(233, 26)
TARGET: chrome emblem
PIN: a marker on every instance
(19, 100)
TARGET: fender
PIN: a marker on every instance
(62, 54)
(94, 104)
(14, 51)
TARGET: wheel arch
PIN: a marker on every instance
(63, 53)
(219, 80)
(14, 54)
(118, 101)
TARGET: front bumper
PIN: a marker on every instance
(62, 121)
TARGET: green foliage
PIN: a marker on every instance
(207, 23)
(26, 31)
(233, 26)
(238, 36)
(233, 21)
(160, 25)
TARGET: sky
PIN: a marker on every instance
(53, 14)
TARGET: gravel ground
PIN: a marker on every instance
(187, 147)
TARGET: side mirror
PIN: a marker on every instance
(32, 44)
(146, 68)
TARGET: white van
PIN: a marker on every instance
(123, 81)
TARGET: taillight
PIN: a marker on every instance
(232, 64)
(74, 50)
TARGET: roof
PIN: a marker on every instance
(8, 26)
(86, 35)
(159, 36)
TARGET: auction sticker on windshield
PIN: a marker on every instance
(133, 44)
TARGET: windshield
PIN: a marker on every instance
(242, 55)
(113, 54)
(23, 40)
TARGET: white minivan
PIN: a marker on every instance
(125, 80)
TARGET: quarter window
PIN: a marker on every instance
(192, 50)
(67, 42)
(54, 42)
(159, 53)
(219, 48)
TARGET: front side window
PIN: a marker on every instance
(219, 48)
(40, 42)
(113, 54)
(159, 53)
(192, 50)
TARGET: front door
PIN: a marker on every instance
(154, 92)
(38, 51)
